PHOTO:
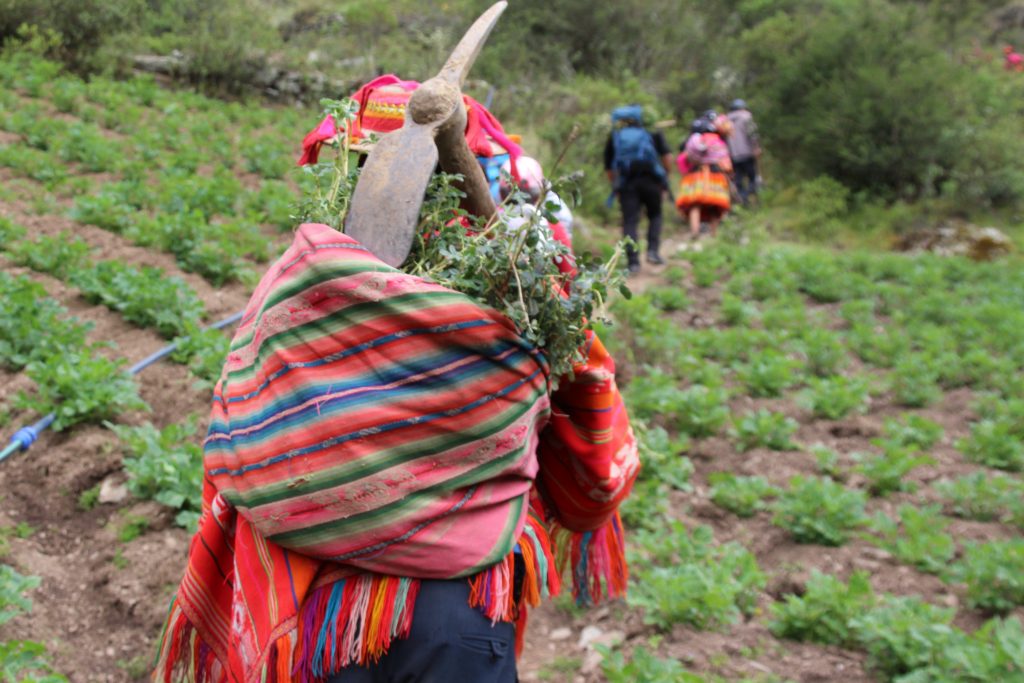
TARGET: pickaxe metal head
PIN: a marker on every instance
(386, 203)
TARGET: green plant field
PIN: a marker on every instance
(833, 451)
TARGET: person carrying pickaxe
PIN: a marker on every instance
(388, 472)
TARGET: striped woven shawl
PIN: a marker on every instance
(371, 429)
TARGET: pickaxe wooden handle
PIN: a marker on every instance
(386, 203)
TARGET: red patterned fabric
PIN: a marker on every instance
(382, 104)
(587, 452)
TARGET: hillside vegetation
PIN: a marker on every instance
(875, 113)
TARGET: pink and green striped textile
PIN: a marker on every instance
(362, 407)
(371, 430)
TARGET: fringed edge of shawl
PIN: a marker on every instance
(492, 591)
(350, 621)
(354, 620)
(597, 559)
(183, 655)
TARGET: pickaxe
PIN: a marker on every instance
(386, 203)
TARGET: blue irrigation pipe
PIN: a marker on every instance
(26, 436)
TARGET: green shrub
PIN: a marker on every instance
(836, 397)
(818, 510)
(272, 203)
(736, 311)
(59, 256)
(652, 393)
(644, 667)
(80, 385)
(143, 296)
(887, 472)
(691, 580)
(647, 507)
(105, 209)
(33, 164)
(910, 430)
(859, 313)
(825, 610)
(266, 159)
(669, 298)
(904, 634)
(698, 370)
(662, 456)
(84, 144)
(768, 373)
(917, 538)
(824, 352)
(819, 205)
(764, 428)
(914, 382)
(827, 461)
(697, 411)
(701, 411)
(10, 232)
(743, 496)
(204, 351)
(994, 444)
(165, 465)
(21, 661)
(34, 327)
(786, 315)
(992, 653)
(822, 279)
(984, 498)
(773, 282)
(880, 348)
(706, 266)
(1006, 410)
(994, 574)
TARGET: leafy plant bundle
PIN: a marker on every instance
(509, 262)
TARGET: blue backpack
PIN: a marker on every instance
(632, 146)
(492, 171)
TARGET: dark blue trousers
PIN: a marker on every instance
(449, 642)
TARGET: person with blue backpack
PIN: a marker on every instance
(637, 163)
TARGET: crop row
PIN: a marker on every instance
(187, 119)
(178, 185)
(72, 376)
(829, 336)
(683, 576)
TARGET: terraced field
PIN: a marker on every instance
(833, 442)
